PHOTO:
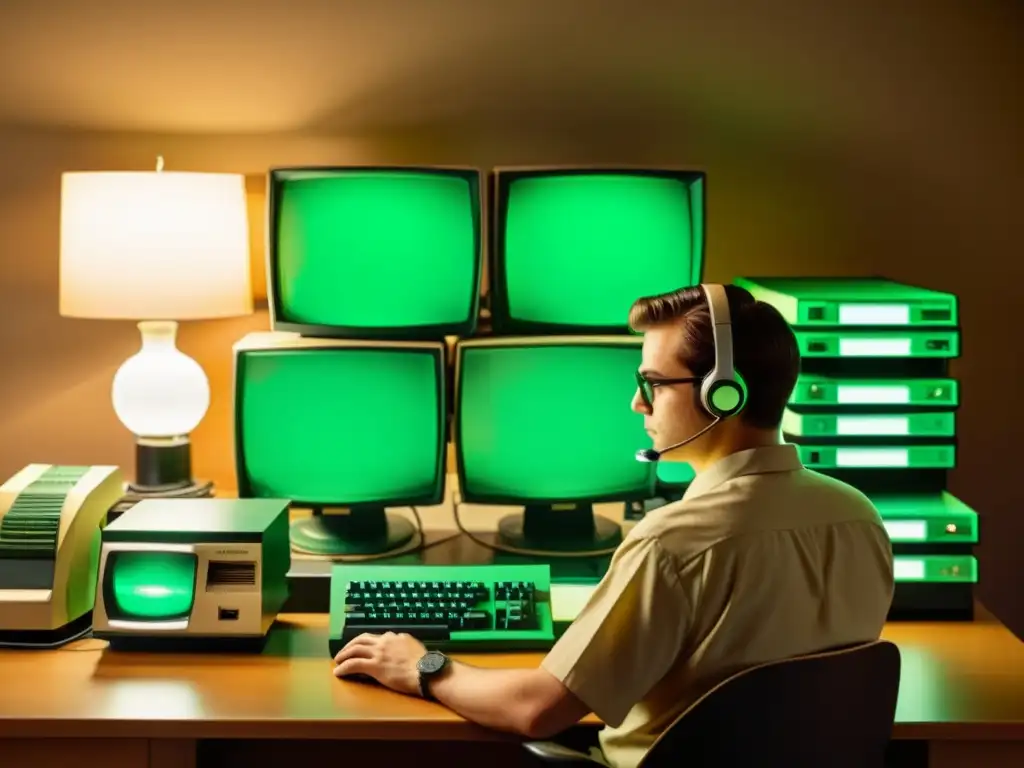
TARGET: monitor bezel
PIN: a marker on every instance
(499, 182)
(279, 321)
(575, 340)
(116, 621)
(283, 341)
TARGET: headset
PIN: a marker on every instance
(722, 391)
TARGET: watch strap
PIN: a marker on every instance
(425, 687)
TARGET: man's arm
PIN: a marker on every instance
(625, 640)
(529, 702)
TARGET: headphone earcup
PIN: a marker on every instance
(722, 398)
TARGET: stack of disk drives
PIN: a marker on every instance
(875, 406)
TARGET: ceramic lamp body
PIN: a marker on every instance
(160, 391)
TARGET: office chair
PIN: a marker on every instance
(833, 709)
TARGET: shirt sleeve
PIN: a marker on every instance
(628, 635)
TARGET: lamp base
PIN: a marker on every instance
(195, 490)
(163, 471)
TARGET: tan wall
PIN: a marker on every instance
(923, 186)
(55, 391)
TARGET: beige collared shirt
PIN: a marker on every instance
(762, 559)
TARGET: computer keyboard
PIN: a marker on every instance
(462, 607)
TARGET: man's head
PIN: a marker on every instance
(679, 344)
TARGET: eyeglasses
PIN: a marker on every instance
(647, 385)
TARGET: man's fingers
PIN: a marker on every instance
(355, 652)
(356, 666)
(365, 640)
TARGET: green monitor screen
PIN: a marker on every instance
(606, 236)
(374, 252)
(345, 428)
(545, 422)
(149, 585)
(674, 473)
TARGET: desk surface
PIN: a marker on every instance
(960, 681)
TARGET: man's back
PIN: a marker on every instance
(762, 560)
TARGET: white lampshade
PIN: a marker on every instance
(157, 245)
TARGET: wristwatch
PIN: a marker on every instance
(432, 664)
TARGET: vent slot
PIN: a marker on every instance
(225, 576)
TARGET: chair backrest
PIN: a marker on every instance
(833, 709)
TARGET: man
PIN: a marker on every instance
(762, 559)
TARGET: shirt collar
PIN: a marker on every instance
(753, 461)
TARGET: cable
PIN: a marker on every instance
(418, 544)
(456, 510)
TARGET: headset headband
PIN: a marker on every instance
(722, 392)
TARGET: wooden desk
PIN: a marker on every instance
(962, 690)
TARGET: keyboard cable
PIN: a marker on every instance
(418, 544)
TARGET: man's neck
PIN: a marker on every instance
(742, 439)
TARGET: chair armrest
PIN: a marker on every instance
(551, 753)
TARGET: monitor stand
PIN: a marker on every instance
(558, 528)
(363, 530)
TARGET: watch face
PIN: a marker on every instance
(432, 662)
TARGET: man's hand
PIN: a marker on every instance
(389, 659)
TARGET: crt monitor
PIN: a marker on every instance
(345, 428)
(612, 234)
(374, 252)
(193, 573)
(545, 422)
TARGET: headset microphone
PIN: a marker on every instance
(722, 392)
(651, 455)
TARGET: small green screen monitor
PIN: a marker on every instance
(150, 585)
(545, 422)
(606, 236)
(374, 252)
(345, 428)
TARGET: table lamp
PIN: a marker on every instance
(157, 247)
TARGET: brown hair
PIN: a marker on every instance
(765, 351)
